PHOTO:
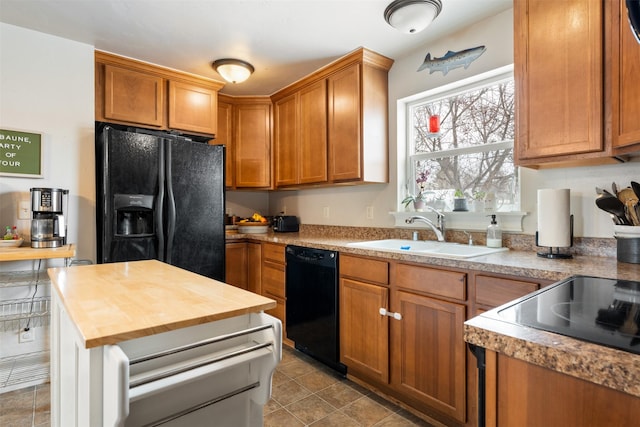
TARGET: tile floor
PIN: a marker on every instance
(304, 393)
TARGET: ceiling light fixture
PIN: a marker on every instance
(233, 70)
(412, 16)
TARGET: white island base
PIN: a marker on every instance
(203, 370)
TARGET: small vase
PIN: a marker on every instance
(460, 205)
(478, 205)
(419, 205)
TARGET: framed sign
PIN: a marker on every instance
(20, 154)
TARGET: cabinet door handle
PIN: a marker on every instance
(384, 312)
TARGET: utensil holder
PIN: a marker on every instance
(629, 250)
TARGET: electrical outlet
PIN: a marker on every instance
(24, 209)
(369, 212)
(325, 212)
(27, 336)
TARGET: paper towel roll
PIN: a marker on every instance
(554, 218)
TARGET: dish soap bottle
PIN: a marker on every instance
(494, 234)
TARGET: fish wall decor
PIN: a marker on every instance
(452, 60)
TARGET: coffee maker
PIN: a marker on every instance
(48, 224)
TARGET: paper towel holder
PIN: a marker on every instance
(557, 254)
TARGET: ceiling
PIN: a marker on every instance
(283, 39)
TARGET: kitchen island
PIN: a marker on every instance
(141, 342)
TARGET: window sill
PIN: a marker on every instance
(469, 221)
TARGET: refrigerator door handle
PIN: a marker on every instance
(158, 209)
(171, 203)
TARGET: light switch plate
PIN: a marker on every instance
(24, 209)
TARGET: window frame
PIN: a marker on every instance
(476, 82)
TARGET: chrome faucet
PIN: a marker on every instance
(438, 228)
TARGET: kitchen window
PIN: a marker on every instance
(460, 140)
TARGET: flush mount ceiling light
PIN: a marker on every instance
(233, 70)
(412, 16)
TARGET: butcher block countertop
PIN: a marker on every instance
(23, 253)
(110, 303)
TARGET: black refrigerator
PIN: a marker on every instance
(160, 196)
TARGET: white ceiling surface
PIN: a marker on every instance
(283, 39)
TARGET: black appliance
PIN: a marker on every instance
(160, 196)
(601, 311)
(285, 224)
(312, 303)
(633, 9)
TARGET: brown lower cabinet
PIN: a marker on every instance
(243, 266)
(415, 352)
(522, 394)
(273, 279)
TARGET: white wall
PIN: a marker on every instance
(347, 205)
(47, 86)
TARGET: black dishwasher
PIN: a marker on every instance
(312, 303)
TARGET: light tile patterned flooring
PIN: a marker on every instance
(304, 393)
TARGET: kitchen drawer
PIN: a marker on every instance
(495, 291)
(273, 252)
(448, 284)
(365, 269)
(273, 279)
(279, 311)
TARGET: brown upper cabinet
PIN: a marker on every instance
(563, 80)
(622, 109)
(137, 93)
(300, 122)
(245, 129)
(332, 126)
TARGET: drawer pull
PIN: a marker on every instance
(384, 312)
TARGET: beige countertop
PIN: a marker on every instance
(595, 363)
(110, 303)
(517, 263)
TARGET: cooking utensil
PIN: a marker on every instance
(614, 187)
(636, 188)
(602, 191)
(614, 206)
(629, 199)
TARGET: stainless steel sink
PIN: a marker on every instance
(430, 248)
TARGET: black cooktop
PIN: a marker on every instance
(602, 311)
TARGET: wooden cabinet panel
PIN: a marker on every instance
(428, 357)
(558, 73)
(364, 333)
(448, 284)
(224, 136)
(273, 278)
(133, 96)
(254, 267)
(367, 269)
(252, 143)
(236, 265)
(534, 396)
(495, 291)
(192, 108)
(286, 139)
(312, 157)
(624, 61)
(273, 252)
(301, 136)
(345, 124)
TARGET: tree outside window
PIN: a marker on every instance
(473, 150)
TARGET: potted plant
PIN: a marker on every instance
(419, 200)
(459, 201)
(478, 201)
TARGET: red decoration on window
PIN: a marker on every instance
(434, 123)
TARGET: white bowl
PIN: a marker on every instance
(628, 231)
(10, 243)
(252, 229)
